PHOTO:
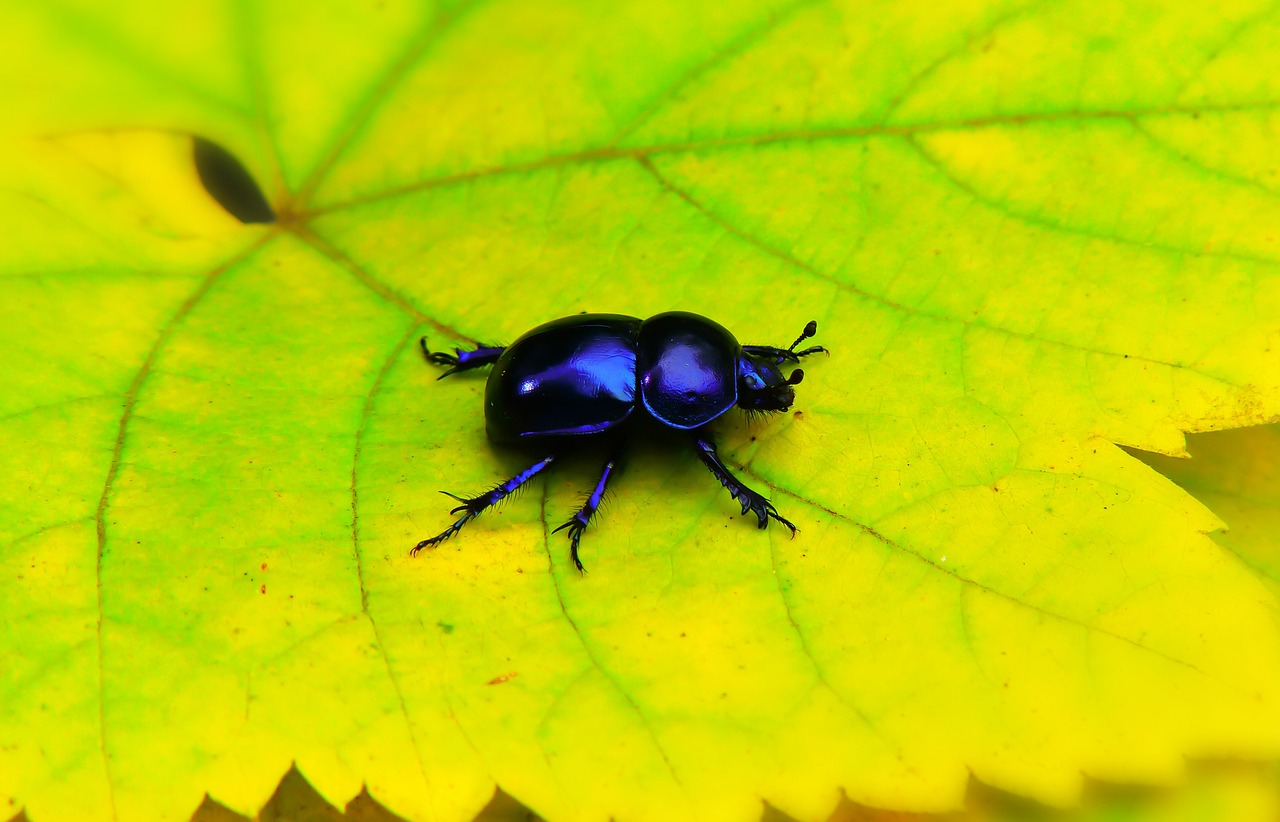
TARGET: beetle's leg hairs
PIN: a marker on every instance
(751, 500)
(462, 360)
(781, 355)
(474, 506)
(578, 522)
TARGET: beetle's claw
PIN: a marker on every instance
(472, 507)
(764, 511)
(440, 358)
(784, 521)
(466, 502)
(439, 538)
(576, 526)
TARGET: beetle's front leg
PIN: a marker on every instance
(462, 360)
(751, 500)
(781, 355)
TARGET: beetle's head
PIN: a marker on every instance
(761, 386)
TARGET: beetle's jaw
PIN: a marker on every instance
(772, 398)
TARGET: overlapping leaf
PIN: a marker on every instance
(1029, 232)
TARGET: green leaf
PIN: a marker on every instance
(1029, 233)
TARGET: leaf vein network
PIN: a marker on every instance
(100, 517)
(591, 655)
(976, 585)
(810, 270)
(365, 413)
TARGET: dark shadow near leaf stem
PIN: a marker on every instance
(229, 183)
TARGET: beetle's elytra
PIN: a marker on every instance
(589, 375)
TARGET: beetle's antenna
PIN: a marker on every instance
(810, 329)
(796, 377)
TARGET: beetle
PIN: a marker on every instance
(594, 375)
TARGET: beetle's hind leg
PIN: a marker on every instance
(472, 507)
(751, 500)
(578, 522)
(462, 360)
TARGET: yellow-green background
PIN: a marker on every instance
(1031, 233)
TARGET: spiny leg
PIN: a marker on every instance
(751, 500)
(578, 522)
(462, 360)
(782, 355)
(474, 506)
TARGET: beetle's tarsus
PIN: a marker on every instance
(775, 515)
(577, 525)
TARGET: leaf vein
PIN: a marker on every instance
(807, 650)
(365, 413)
(801, 265)
(811, 134)
(896, 546)
(428, 36)
(100, 516)
(735, 47)
(591, 655)
(917, 81)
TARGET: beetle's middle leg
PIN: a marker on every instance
(462, 360)
(578, 522)
(751, 500)
(474, 506)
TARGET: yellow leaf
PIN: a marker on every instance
(1029, 233)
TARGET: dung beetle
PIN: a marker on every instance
(589, 375)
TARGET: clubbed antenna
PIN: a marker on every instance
(810, 330)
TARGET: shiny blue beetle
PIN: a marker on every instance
(589, 375)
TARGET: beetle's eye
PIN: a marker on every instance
(754, 383)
